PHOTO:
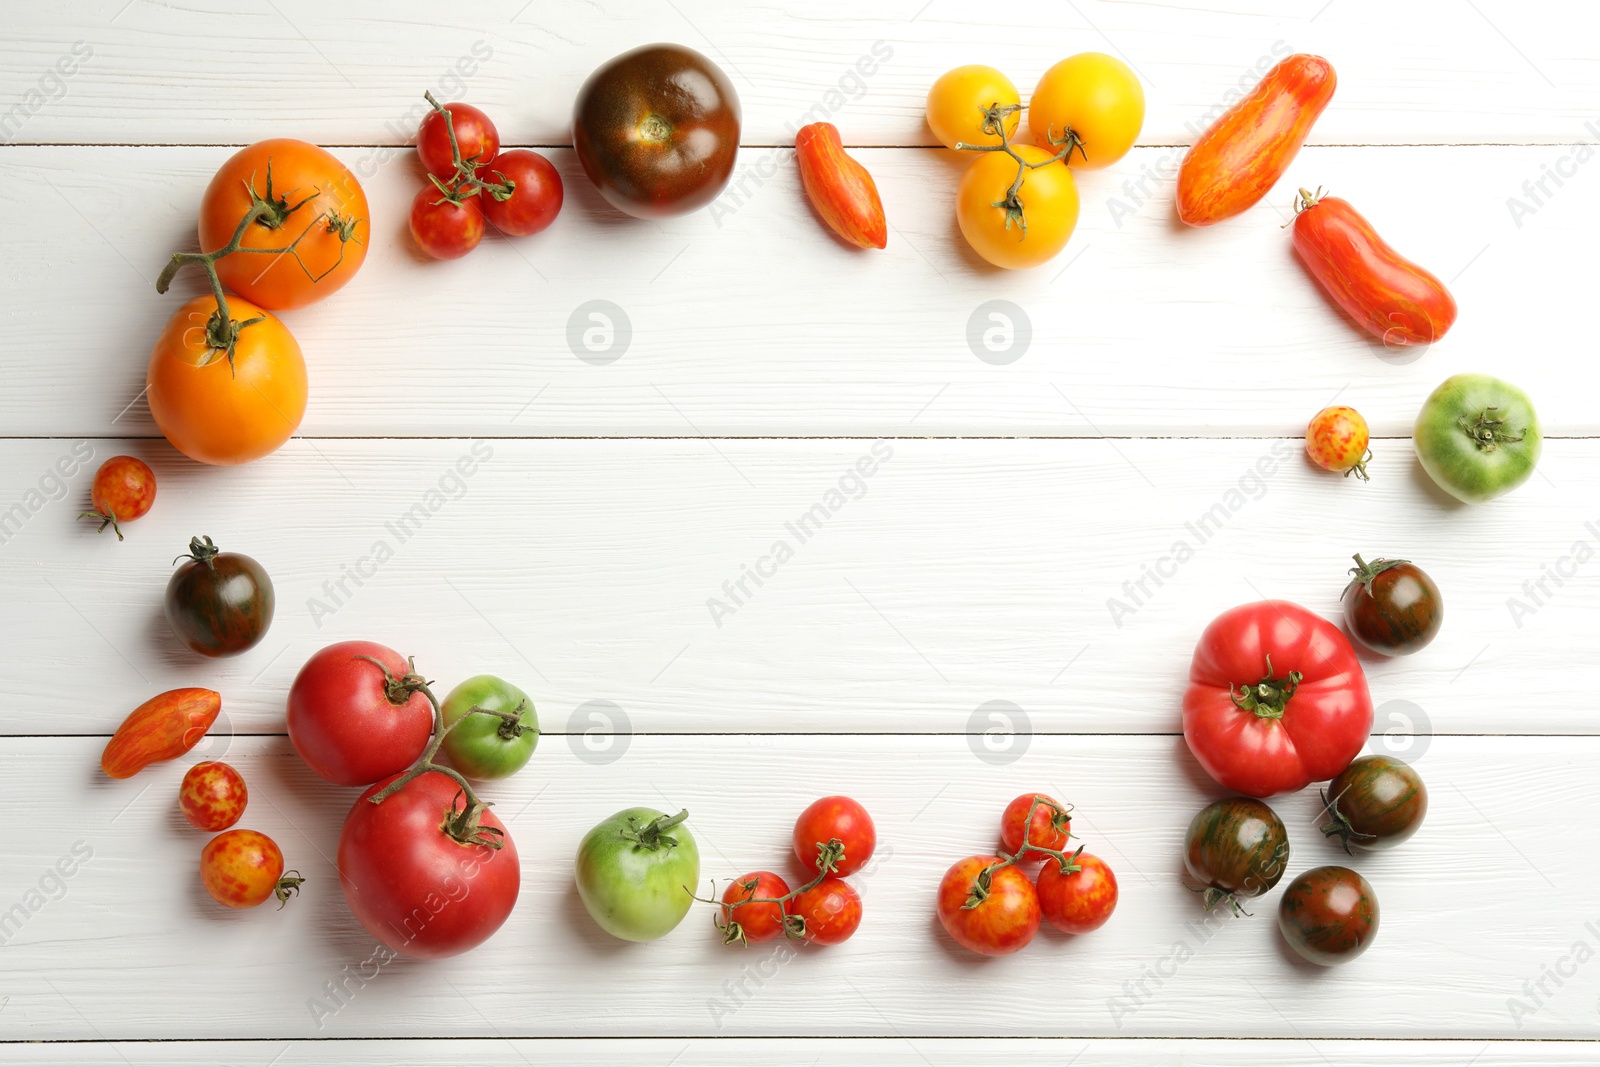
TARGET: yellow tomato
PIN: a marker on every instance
(1098, 98)
(957, 100)
(1048, 202)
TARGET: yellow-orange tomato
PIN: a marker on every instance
(1049, 202)
(957, 100)
(311, 193)
(242, 868)
(1098, 98)
(219, 414)
(1336, 440)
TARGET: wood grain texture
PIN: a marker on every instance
(954, 574)
(134, 949)
(748, 319)
(1433, 71)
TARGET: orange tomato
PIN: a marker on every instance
(1244, 153)
(242, 868)
(1049, 199)
(313, 194)
(1336, 440)
(957, 99)
(222, 414)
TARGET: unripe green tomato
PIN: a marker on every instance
(486, 747)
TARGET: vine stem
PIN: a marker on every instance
(829, 856)
(994, 124)
(466, 176)
(979, 890)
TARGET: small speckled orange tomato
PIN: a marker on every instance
(124, 489)
(1336, 440)
(242, 868)
(212, 795)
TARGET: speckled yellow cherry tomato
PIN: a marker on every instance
(1047, 203)
(958, 98)
(1095, 96)
(1336, 440)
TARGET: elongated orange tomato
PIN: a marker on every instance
(162, 728)
(840, 188)
(1244, 153)
(1395, 300)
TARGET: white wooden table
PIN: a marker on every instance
(962, 588)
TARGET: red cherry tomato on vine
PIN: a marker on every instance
(346, 723)
(213, 795)
(534, 202)
(242, 868)
(831, 909)
(1049, 828)
(124, 489)
(446, 228)
(1003, 921)
(1080, 900)
(759, 922)
(476, 136)
(830, 818)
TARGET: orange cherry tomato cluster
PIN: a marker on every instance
(472, 184)
(833, 838)
(990, 905)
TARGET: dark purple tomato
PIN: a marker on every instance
(1391, 606)
(1329, 915)
(657, 130)
(1375, 803)
(1236, 848)
(219, 603)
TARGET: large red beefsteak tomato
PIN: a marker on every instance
(1276, 699)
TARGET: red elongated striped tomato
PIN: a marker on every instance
(1242, 155)
(1395, 300)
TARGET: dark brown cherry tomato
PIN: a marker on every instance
(1329, 915)
(1391, 297)
(213, 795)
(1376, 803)
(1236, 848)
(1391, 606)
(657, 130)
(476, 137)
(445, 228)
(534, 201)
(124, 489)
(219, 603)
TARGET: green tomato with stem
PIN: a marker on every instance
(1478, 437)
(488, 747)
(636, 873)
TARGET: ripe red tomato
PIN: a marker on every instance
(535, 201)
(124, 489)
(1005, 916)
(831, 909)
(476, 136)
(242, 868)
(446, 228)
(830, 818)
(756, 922)
(1244, 153)
(1080, 900)
(1301, 711)
(348, 723)
(213, 795)
(1389, 296)
(1050, 827)
(413, 886)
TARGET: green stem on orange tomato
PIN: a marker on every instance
(994, 124)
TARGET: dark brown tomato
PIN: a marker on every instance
(1376, 803)
(219, 603)
(1392, 607)
(1236, 848)
(1329, 915)
(657, 130)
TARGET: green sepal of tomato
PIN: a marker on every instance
(1478, 437)
(487, 747)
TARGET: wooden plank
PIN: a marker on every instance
(952, 575)
(748, 320)
(1479, 911)
(1420, 72)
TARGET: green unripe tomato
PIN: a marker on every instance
(487, 747)
(1478, 437)
(635, 872)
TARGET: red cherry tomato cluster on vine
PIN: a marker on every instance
(991, 905)
(473, 185)
(833, 838)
